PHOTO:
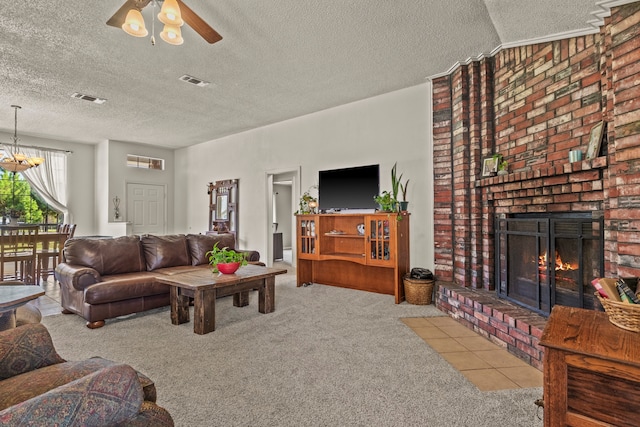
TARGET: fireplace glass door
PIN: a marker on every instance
(546, 260)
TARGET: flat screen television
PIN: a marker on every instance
(349, 188)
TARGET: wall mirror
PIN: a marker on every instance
(223, 206)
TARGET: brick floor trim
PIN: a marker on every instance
(506, 324)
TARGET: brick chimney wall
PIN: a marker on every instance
(533, 104)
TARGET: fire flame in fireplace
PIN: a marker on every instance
(560, 265)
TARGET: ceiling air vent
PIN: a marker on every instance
(90, 98)
(190, 79)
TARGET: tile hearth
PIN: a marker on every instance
(485, 364)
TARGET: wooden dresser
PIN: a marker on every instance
(591, 370)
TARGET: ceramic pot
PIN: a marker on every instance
(228, 268)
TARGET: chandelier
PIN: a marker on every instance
(14, 161)
(169, 15)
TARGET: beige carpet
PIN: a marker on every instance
(326, 357)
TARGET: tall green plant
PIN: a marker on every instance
(396, 184)
(403, 189)
(395, 181)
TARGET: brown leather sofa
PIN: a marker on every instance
(106, 278)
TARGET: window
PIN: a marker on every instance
(143, 162)
(19, 201)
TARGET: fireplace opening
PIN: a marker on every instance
(544, 260)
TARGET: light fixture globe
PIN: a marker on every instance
(35, 161)
(134, 24)
(172, 35)
(170, 13)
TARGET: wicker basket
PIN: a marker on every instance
(418, 291)
(623, 315)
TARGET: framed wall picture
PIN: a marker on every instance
(595, 139)
(489, 166)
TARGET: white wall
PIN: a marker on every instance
(394, 127)
(119, 175)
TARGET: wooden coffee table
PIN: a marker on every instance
(204, 287)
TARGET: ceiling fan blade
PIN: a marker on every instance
(119, 17)
(198, 24)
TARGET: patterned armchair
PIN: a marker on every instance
(39, 388)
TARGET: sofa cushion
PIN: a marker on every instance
(106, 256)
(26, 348)
(165, 251)
(108, 396)
(200, 244)
(123, 287)
(13, 391)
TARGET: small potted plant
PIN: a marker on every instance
(386, 201)
(503, 167)
(404, 203)
(308, 203)
(501, 164)
(225, 260)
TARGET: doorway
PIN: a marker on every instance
(281, 205)
(146, 207)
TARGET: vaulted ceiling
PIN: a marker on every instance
(277, 60)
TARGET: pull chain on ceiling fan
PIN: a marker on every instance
(173, 14)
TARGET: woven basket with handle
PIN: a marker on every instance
(623, 315)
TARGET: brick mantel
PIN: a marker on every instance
(567, 187)
(541, 177)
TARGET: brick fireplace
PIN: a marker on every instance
(532, 105)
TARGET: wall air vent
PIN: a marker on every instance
(194, 81)
(90, 98)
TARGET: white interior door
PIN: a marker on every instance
(146, 208)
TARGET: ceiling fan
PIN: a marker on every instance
(188, 15)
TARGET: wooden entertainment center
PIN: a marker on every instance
(369, 252)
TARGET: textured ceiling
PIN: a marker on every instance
(278, 60)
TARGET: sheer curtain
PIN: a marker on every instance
(49, 179)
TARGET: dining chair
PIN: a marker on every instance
(49, 252)
(69, 229)
(18, 258)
